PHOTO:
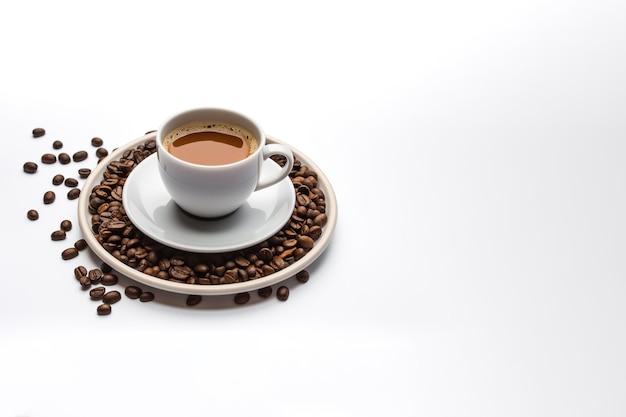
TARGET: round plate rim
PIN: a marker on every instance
(84, 220)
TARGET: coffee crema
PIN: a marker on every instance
(210, 143)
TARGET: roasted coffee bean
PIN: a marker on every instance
(84, 172)
(71, 182)
(193, 300)
(30, 167)
(73, 194)
(264, 292)
(133, 292)
(58, 179)
(49, 197)
(69, 253)
(38, 132)
(48, 158)
(101, 152)
(32, 214)
(64, 158)
(95, 276)
(66, 225)
(302, 276)
(80, 244)
(305, 242)
(80, 271)
(242, 298)
(57, 144)
(97, 293)
(282, 293)
(96, 142)
(109, 279)
(146, 296)
(84, 282)
(112, 297)
(80, 156)
(104, 309)
(58, 235)
(106, 268)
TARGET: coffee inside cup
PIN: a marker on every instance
(210, 143)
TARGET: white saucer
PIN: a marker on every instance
(151, 209)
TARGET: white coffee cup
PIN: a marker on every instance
(216, 190)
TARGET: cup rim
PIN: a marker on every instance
(260, 138)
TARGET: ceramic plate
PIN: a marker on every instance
(84, 219)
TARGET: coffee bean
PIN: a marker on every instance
(80, 271)
(73, 194)
(302, 276)
(106, 268)
(30, 167)
(57, 144)
(112, 297)
(32, 214)
(58, 179)
(282, 293)
(193, 300)
(71, 182)
(104, 309)
(109, 279)
(84, 172)
(96, 142)
(49, 197)
(69, 253)
(97, 293)
(84, 282)
(242, 298)
(80, 156)
(101, 152)
(58, 235)
(48, 158)
(264, 292)
(305, 242)
(146, 296)
(64, 158)
(80, 244)
(95, 276)
(66, 225)
(38, 132)
(133, 292)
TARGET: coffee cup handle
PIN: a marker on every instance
(271, 179)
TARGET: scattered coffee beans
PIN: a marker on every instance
(282, 293)
(95, 276)
(112, 297)
(302, 276)
(66, 225)
(38, 132)
(80, 271)
(32, 214)
(58, 235)
(69, 253)
(58, 179)
(30, 167)
(193, 300)
(101, 152)
(97, 142)
(64, 158)
(84, 282)
(48, 158)
(242, 298)
(133, 292)
(104, 309)
(109, 279)
(97, 293)
(146, 296)
(57, 144)
(80, 156)
(49, 197)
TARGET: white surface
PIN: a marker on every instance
(478, 264)
(152, 210)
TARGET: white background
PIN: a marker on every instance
(477, 153)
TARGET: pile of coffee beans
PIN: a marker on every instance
(118, 235)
